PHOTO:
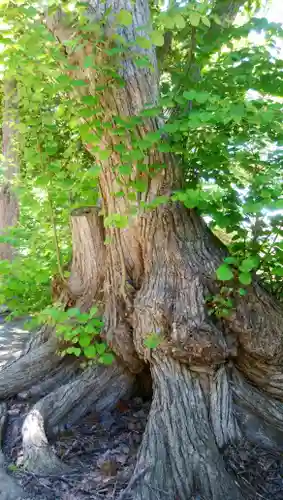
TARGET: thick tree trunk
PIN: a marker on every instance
(152, 278)
(191, 417)
(8, 203)
(159, 271)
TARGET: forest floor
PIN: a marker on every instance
(102, 449)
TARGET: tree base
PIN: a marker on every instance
(190, 417)
(192, 420)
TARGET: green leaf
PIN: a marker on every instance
(168, 20)
(90, 99)
(217, 19)
(230, 260)
(116, 220)
(101, 348)
(124, 17)
(94, 171)
(96, 323)
(140, 186)
(152, 341)
(157, 38)
(278, 271)
(13, 468)
(179, 21)
(242, 292)
(194, 18)
(83, 318)
(31, 12)
(73, 312)
(88, 62)
(223, 313)
(93, 311)
(107, 358)
(164, 147)
(125, 169)
(90, 351)
(84, 340)
(143, 42)
(142, 62)
(245, 278)
(104, 154)
(205, 21)
(74, 350)
(78, 83)
(224, 273)
(249, 263)
(189, 94)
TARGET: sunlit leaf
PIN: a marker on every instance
(224, 273)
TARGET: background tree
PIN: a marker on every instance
(163, 152)
(10, 165)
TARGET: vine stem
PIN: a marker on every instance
(53, 223)
(55, 236)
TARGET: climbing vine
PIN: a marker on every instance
(220, 110)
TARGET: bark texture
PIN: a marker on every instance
(9, 489)
(29, 369)
(191, 417)
(153, 278)
(158, 272)
(88, 269)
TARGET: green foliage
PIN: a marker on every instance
(224, 273)
(221, 305)
(79, 333)
(124, 18)
(221, 110)
(152, 341)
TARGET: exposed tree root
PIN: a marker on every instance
(67, 370)
(179, 444)
(29, 369)
(260, 414)
(38, 338)
(99, 388)
(9, 488)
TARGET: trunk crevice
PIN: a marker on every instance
(180, 445)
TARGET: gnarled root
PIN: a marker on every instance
(9, 488)
(66, 371)
(260, 414)
(98, 388)
(29, 369)
(191, 415)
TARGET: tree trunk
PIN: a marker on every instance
(8, 203)
(152, 278)
(159, 271)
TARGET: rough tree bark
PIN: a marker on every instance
(10, 166)
(153, 277)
